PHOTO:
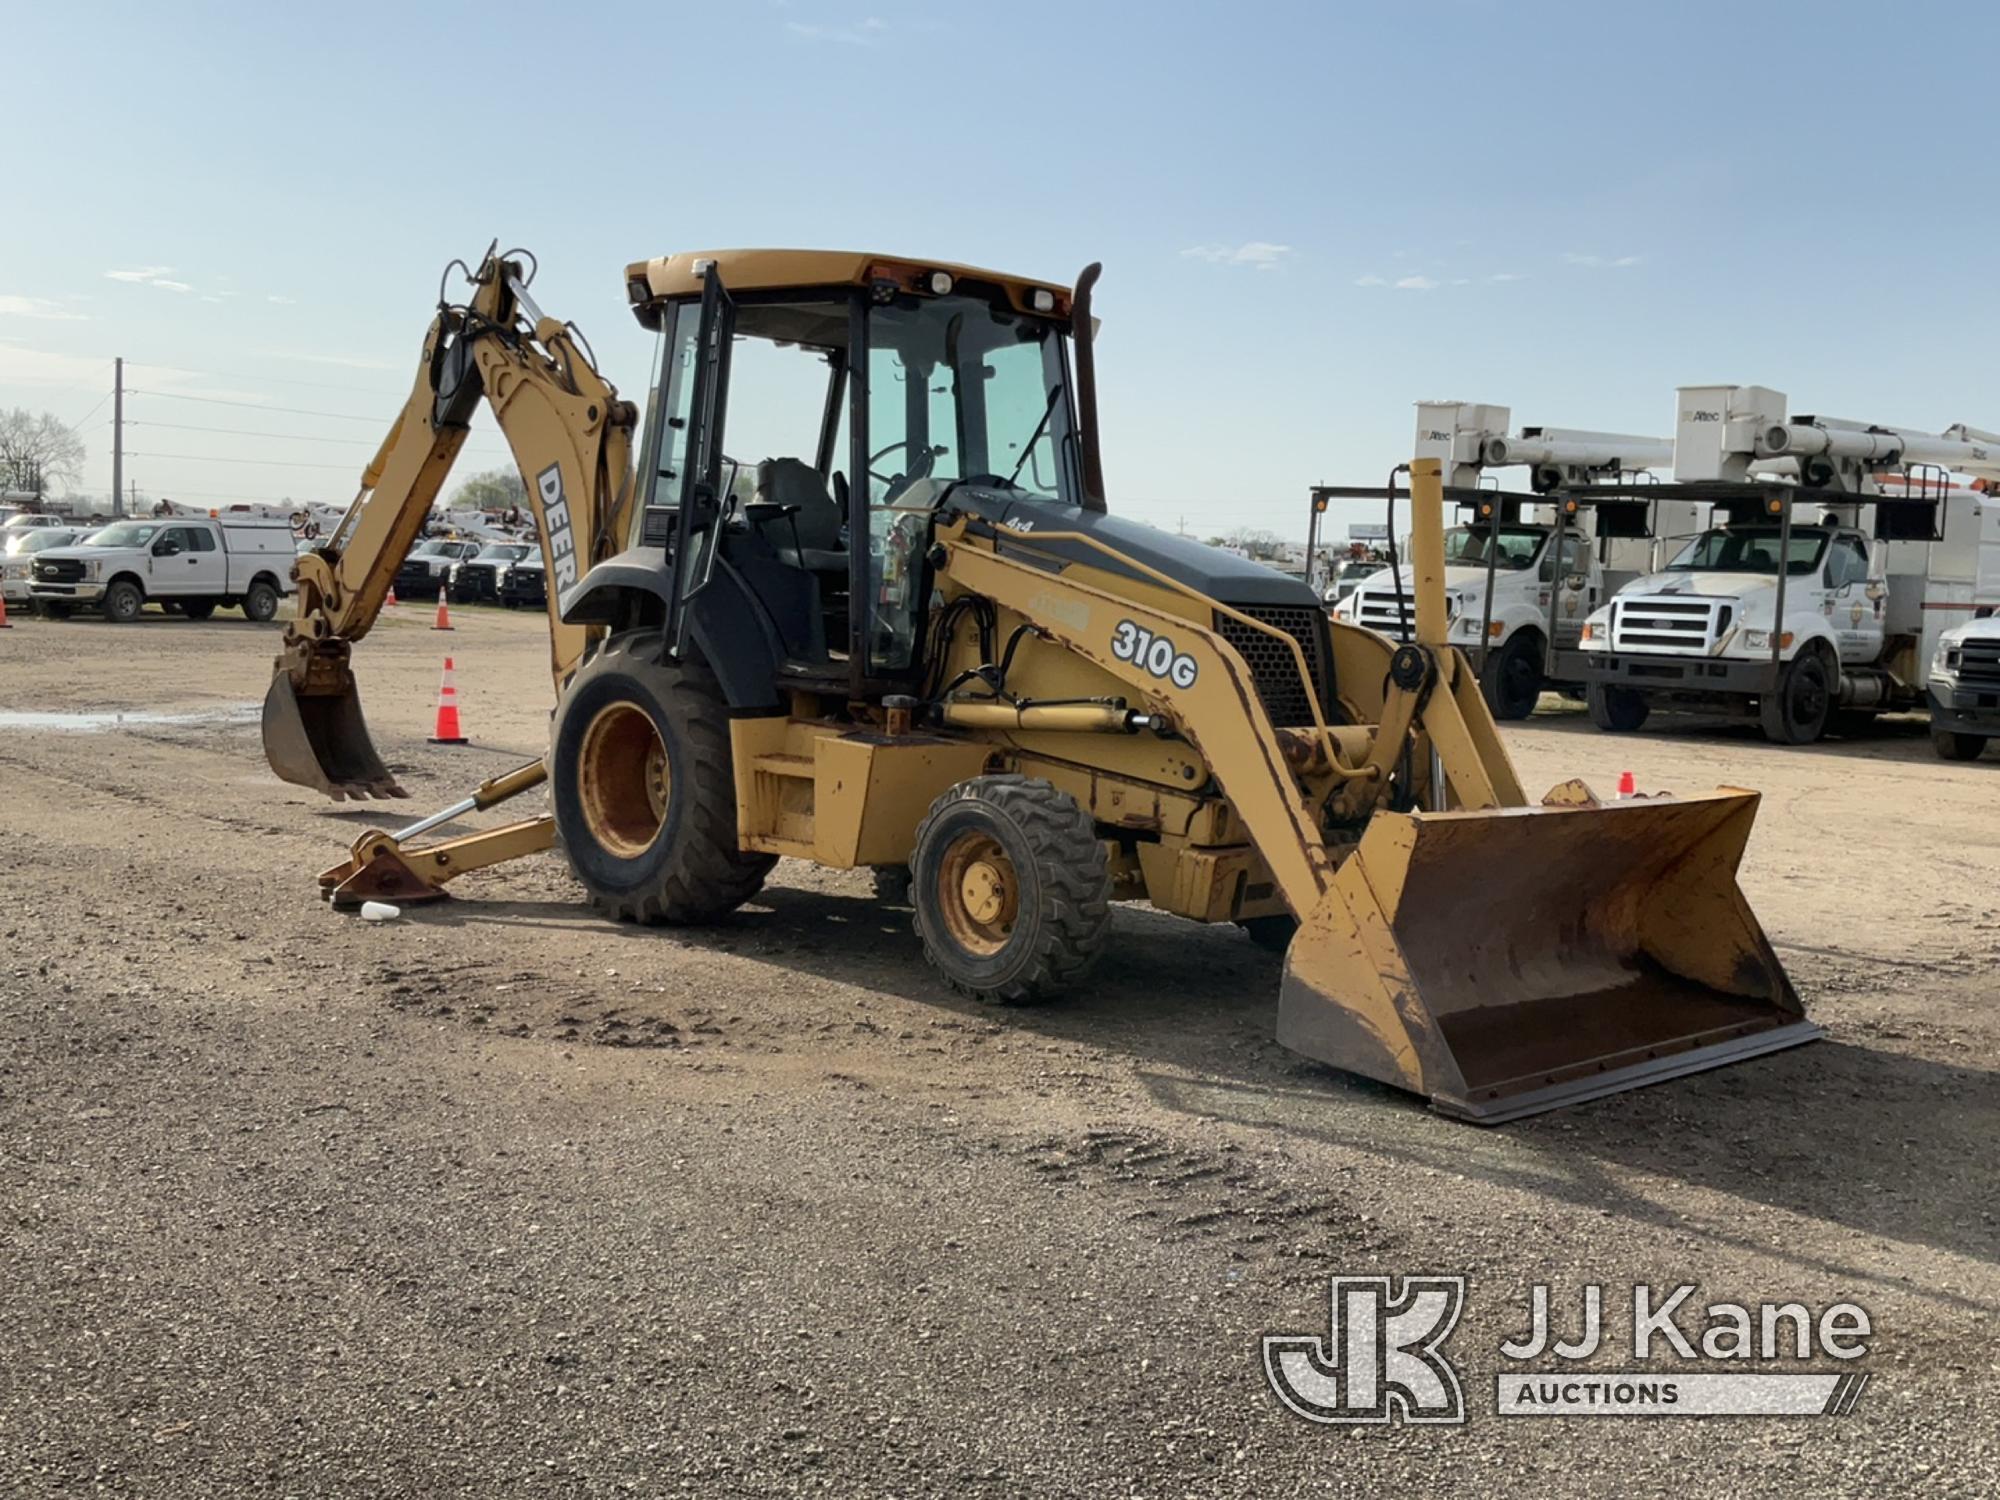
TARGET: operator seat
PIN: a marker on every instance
(794, 485)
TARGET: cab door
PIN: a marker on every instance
(695, 402)
(1853, 603)
(185, 561)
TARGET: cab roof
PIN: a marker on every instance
(648, 282)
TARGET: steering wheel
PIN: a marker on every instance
(894, 484)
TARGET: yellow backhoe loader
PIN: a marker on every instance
(913, 637)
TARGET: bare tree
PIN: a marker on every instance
(496, 489)
(37, 451)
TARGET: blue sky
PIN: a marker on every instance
(1310, 216)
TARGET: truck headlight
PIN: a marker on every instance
(93, 569)
(1760, 640)
(1945, 662)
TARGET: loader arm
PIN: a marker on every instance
(570, 435)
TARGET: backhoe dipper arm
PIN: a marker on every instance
(571, 437)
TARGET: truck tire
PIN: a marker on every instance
(1951, 745)
(123, 601)
(1796, 713)
(1511, 680)
(1011, 889)
(260, 603)
(197, 609)
(644, 788)
(1616, 710)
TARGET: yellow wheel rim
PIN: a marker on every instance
(623, 780)
(979, 893)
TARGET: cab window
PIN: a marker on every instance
(1847, 563)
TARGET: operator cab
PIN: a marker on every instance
(810, 413)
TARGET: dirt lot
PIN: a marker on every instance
(498, 1199)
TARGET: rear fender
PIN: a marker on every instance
(732, 635)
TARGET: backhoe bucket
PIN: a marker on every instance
(1512, 961)
(320, 740)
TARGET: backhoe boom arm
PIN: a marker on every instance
(571, 438)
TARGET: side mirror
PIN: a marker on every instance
(1576, 581)
(167, 547)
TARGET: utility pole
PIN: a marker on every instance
(118, 436)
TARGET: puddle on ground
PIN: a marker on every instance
(98, 721)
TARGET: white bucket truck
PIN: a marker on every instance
(1516, 607)
(1837, 557)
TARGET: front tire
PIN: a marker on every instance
(1011, 889)
(1511, 680)
(1951, 745)
(1796, 713)
(1616, 710)
(123, 601)
(644, 788)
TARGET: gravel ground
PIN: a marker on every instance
(497, 1199)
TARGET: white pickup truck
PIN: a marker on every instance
(191, 564)
(1964, 689)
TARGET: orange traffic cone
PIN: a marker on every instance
(444, 615)
(390, 602)
(5, 623)
(447, 732)
(1628, 784)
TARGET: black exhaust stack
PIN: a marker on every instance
(1086, 387)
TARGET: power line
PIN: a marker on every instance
(270, 463)
(322, 385)
(290, 411)
(290, 437)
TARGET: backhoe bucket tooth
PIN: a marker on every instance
(321, 741)
(1508, 962)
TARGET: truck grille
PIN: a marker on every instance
(1979, 664)
(1272, 668)
(1376, 610)
(1680, 626)
(58, 570)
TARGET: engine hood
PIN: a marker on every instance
(1222, 576)
(1973, 630)
(1743, 586)
(1464, 580)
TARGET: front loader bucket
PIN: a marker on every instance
(320, 740)
(1512, 961)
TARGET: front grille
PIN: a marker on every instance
(1376, 610)
(522, 584)
(58, 570)
(1656, 624)
(1272, 666)
(1979, 663)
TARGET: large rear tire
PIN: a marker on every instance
(644, 788)
(1511, 680)
(1797, 712)
(1616, 710)
(1011, 889)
